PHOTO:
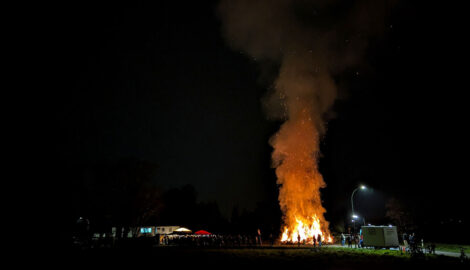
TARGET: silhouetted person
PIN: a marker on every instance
(463, 257)
(298, 239)
(349, 240)
(314, 241)
(343, 239)
(412, 239)
(83, 228)
(319, 240)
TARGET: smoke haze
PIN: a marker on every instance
(311, 41)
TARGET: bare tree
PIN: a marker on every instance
(400, 214)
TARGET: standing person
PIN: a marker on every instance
(83, 231)
(314, 241)
(355, 240)
(319, 240)
(298, 239)
(411, 240)
(463, 257)
(343, 239)
(349, 240)
(405, 239)
(259, 238)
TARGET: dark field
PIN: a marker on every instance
(325, 258)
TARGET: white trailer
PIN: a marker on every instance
(380, 236)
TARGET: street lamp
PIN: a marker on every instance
(357, 217)
(352, 195)
(352, 204)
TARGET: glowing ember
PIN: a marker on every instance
(295, 158)
(309, 56)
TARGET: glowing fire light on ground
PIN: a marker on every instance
(305, 232)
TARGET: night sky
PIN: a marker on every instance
(158, 82)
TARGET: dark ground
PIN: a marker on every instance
(326, 258)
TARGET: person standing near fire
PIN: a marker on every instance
(298, 240)
(319, 240)
(259, 238)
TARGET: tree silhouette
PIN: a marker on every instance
(122, 194)
(398, 213)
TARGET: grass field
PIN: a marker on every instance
(452, 247)
(324, 258)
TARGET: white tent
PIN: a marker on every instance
(182, 230)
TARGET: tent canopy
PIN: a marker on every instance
(202, 232)
(182, 230)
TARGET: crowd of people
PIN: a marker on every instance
(213, 240)
(412, 244)
(315, 241)
(178, 240)
(353, 240)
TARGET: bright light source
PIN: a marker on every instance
(363, 187)
(182, 229)
(354, 216)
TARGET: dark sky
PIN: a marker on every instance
(157, 82)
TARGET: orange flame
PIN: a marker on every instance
(296, 147)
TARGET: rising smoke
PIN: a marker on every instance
(311, 42)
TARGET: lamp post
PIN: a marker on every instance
(357, 217)
(352, 195)
(352, 205)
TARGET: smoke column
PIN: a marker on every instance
(311, 42)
